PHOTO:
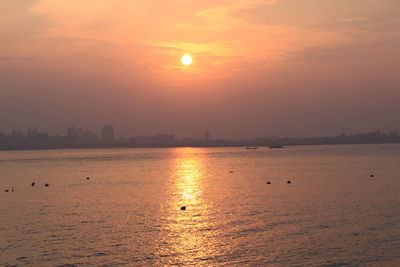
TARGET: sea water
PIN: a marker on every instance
(333, 213)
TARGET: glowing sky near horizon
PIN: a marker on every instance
(263, 67)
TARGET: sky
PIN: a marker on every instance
(260, 67)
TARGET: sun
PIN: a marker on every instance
(186, 60)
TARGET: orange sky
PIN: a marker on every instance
(261, 67)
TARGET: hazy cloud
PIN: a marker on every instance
(261, 67)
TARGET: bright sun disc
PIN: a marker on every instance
(186, 60)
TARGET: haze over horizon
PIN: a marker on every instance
(260, 67)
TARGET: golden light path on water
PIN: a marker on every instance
(191, 234)
(189, 183)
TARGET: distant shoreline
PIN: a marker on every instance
(244, 145)
(84, 139)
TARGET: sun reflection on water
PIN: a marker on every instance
(190, 232)
(188, 180)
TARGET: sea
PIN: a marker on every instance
(295, 206)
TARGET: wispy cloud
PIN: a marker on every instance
(355, 19)
(15, 58)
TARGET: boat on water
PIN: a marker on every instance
(276, 146)
(251, 147)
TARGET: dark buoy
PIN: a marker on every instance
(33, 183)
(12, 189)
(268, 182)
(372, 176)
(289, 182)
(46, 185)
(87, 178)
(183, 208)
(6, 190)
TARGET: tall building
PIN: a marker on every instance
(72, 131)
(107, 133)
(207, 135)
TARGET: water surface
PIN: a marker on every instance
(332, 214)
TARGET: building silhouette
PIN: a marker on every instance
(207, 135)
(160, 139)
(80, 136)
(107, 133)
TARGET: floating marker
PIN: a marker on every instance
(289, 182)
(183, 208)
(46, 185)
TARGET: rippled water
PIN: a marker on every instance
(332, 214)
